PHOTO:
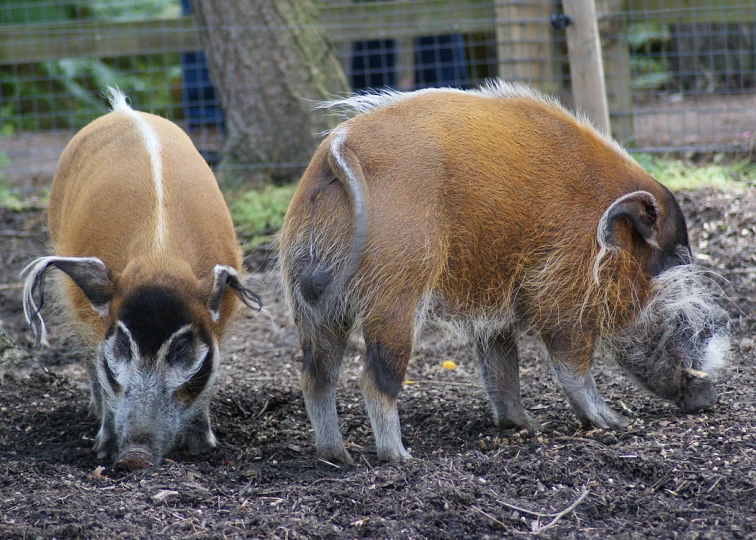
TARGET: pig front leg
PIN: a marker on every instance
(499, 364)
(198, 436)
(106, 442)
(571, 361)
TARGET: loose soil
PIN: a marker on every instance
(668, 475)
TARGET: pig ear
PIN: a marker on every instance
(640, 208)
(227, 277)
(89, 273)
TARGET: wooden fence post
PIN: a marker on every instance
(405, 62)
(586, 67)
(612, 24)
(524, 43)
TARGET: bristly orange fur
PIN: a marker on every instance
(487, 201)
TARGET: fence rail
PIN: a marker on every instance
(703, 52)
(29, 43)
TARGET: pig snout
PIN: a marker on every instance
(696, 392)
(135, 458)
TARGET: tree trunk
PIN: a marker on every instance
(268, 60)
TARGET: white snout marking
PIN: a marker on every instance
(715, 356)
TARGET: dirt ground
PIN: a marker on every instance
(668, 475)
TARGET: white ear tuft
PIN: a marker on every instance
(225, 277)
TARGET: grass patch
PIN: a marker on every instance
(677, 174)
(11, 201)
(258, 214)
(8, 199)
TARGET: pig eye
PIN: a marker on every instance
(182, 349)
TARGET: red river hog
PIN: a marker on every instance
(491, 211)
(151, 276)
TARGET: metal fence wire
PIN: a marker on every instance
(680, 74)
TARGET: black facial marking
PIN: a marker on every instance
(385, 376)
(152, 314)
(673, 240)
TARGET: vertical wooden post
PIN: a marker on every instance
(524, 38)
(586, 67)
(612, 24)
(405, 62)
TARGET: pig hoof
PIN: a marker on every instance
(336, 455)
(607, 419)
(104, 445)
(196, 443)
(527, 424)
(393, 456)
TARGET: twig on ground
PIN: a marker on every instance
(489, 516)
(524, 511)
(560, 515)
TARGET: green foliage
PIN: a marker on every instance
(35, 94)
(10, 200)
(119, 10)
(258, 214)
(647, 41)
(648, 35)
(678, 174)
(34, 11)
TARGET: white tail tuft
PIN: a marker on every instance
(117, 100)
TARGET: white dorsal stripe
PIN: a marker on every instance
(152, 145)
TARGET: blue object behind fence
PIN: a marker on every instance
(201, 105)
(439, 61)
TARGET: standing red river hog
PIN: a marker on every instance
(140, 227)
(490, 211)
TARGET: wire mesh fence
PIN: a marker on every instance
(680, 74)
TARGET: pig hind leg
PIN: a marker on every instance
(323, 350)
(499, 363)
(388, 339)
(571, 361)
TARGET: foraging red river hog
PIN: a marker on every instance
(140, 227)
(490, 211)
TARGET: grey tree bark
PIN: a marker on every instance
(268, 60)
